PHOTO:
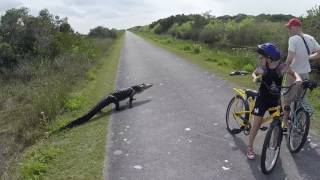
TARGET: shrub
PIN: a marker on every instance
(7, 56)
(187, 48)
(169, 41)
(35, 168)
(196, 48)
(248, 67)
(211, 60)
(74, 102)
(184, 30)
(223, 62)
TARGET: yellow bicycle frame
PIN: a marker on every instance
(275, 111)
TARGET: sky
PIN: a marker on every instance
(84, 15)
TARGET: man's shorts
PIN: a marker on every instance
(262, 105)
(296, 90)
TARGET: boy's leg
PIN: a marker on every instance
(258, 113)
(257, 120)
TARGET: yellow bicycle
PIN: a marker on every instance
(239, 112)
(239, 117)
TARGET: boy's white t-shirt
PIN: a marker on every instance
(300, 62)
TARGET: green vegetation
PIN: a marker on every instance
(102, 32)
(225, 31)
(227, 43)
(42, 60)
(78, 153)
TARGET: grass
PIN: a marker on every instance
(78, 153)
(222, 62)
(33, 95)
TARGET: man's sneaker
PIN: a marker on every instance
(264, 128)
(284, 129)
(250, 153)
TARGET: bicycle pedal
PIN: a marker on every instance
(236, 131)
(263, 128)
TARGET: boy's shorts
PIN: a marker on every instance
(262, 105)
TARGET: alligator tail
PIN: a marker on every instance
(97, 108)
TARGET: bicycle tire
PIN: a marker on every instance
(228, 119)
(293, 130)
(266, 145)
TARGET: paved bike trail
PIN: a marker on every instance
(176, 130)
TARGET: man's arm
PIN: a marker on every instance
(315, 55)
(316, 51)
(290, 57)
(294, 74)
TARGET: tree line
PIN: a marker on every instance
(233, 31)
(25, 38)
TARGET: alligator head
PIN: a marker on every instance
(141, 87)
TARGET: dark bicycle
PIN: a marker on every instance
(299, 119)
(299, 123)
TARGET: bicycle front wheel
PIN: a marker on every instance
(271, 148)
(236, 115)
(298, 131)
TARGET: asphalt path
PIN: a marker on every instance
(176, 130)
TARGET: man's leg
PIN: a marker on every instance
(287, 99)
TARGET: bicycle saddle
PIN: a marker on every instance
(251, 93)
(309, 84)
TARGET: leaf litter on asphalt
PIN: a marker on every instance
(138, 167)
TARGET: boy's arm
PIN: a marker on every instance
(256, 73)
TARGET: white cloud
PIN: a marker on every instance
(8, 4)
(84, 15)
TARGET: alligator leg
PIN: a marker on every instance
(130, 102)
(131, 98)
(116, 103)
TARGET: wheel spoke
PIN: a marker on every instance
(299, 131)
(235, 115)
(271, 149)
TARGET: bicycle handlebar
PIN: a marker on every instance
(279, 88)
(306, 84)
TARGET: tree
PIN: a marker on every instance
(11, 26)
(102, 32)
(7, 57)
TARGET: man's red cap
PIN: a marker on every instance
(293, 22)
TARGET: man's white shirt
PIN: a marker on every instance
(300, 62)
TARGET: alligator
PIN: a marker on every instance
(115, 98)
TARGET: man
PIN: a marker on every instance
(301, 48)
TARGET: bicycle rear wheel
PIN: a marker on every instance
(298, 131)
(271, 148)
(236, 105)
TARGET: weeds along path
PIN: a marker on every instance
(77, 153)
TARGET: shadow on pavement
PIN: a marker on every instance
(308, 162)
(277, 173)
(135, 104)
(98, 116)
